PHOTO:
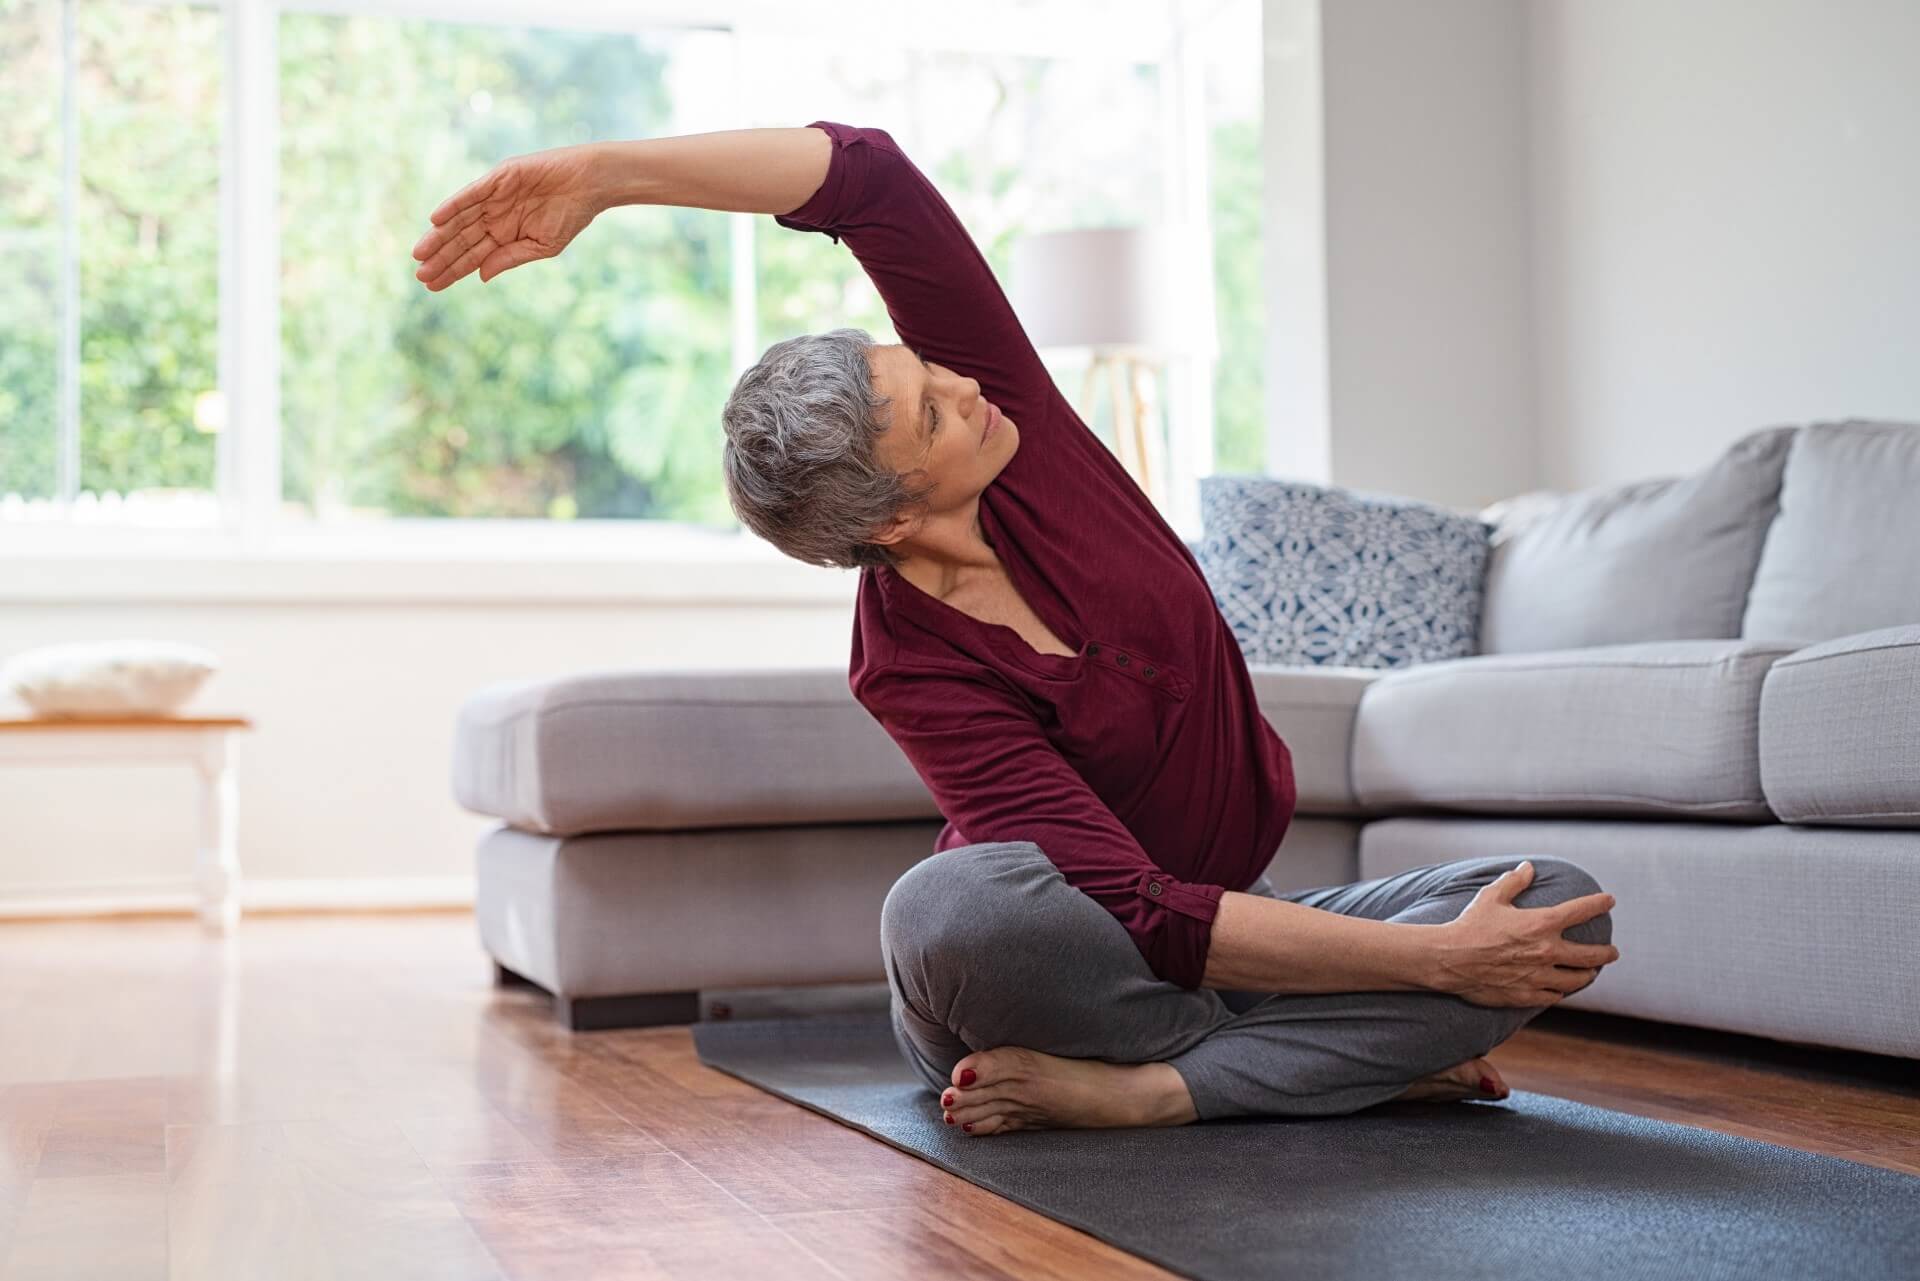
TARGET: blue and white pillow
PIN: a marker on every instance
(1311, 574)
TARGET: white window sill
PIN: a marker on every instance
(415, 563)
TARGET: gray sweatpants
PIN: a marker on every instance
(988, 945)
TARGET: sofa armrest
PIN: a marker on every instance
(651, 749)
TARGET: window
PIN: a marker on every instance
(585, 385)
(1231, 114)
(582, 388)
(109, 223)
(1015, 143)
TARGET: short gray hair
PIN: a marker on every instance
(800, 465)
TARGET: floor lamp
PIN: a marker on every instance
(1132, 377)
(1105, 290)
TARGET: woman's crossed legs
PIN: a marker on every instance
(989, 949)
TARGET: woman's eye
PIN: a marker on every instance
(936, 416)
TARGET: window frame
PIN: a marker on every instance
(248, 485)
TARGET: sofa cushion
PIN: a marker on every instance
(1313, 709)
(603, 751)
(1840, 731)
(1843, 556)
(1667, 559)
(1658, 727)
(1311, 574)
(1799, 933)
(618, 750)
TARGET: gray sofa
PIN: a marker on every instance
(1703, 689)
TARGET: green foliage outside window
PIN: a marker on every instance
(148, 223)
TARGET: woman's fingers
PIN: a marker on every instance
(450, 252)
(430, 243)
(1566, 981)
(508, 256)
(465, 263)
(1586, 955)
(472, 194)
(1584, 908)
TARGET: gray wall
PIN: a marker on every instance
(1520, 243)
(1724, 200)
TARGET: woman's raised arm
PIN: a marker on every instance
(853, 184)
(532, 206)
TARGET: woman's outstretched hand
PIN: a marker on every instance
(1495, 953)
(526, 207)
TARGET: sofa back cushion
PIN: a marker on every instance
(1319, 574)
(1843, 555)
(1651, 560)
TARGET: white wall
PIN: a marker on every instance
(1427, 248)
(1725, 194)
(346, 774)
(1519, 243)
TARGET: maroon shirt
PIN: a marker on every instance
(1141, 764)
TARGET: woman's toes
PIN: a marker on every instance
(957, 1101)
(984, 1067)
(995, 1124)
(978, 1110)
(982, 1118)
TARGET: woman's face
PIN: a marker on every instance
(938, 426)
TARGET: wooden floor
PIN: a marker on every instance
(351, 1097)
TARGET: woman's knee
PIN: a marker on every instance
(1558, 880)
(945, 902)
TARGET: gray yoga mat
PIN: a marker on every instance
(1531, 1186)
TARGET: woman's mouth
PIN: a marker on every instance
(993, 422)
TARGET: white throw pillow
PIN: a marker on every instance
(129, 677)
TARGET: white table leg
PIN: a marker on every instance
(217, 865)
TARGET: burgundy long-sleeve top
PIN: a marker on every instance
(1140, 764)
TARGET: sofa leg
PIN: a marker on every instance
(652, 1009)
(504, 977)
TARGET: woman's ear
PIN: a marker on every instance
(904, 523)
(895, 530)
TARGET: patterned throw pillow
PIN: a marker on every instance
(1311, 574)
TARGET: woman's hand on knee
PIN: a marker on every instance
(1495, 953)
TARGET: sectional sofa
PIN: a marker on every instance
(1704, 689)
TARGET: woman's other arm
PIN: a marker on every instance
(1262, 944)
(1493, 953)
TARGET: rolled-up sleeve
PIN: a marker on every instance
(995, 776)
(939, 291)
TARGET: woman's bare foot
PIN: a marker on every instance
(1014, 1088)
(1474, 1079)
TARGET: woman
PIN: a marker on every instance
(1096, 944)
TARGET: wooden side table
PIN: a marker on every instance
(204, 742)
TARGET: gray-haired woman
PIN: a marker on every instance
(1095, 942)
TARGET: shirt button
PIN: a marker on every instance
(1122, 659)
(1153, 887)
(1093, 647)
(1148, 673)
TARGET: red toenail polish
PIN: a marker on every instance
(949, 1117)
(947, 1102)
(1486, 1083)
(968, 1127)
(966, 1078)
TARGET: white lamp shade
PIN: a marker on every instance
(1101, 287)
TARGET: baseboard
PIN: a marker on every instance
(171, 896)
